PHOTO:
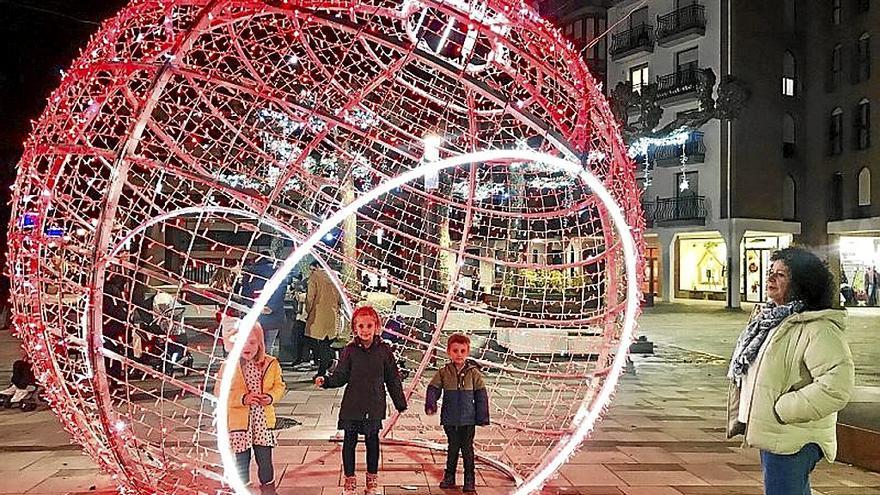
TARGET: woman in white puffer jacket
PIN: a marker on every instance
(791, 371)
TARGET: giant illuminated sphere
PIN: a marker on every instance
(192, 137)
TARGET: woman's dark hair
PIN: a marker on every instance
(810, 280)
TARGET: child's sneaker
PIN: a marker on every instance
(9, 391)
(20, 393)
(268, 489)
(349, 486)
(448, 481)
(372, 485)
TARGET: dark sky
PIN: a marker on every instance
(38, 38)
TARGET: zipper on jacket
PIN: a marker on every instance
(755, 387)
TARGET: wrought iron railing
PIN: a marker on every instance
(684, 80)
(694, 150)
(670, 155)
(689, 207)
(691, 16)
(641, 36)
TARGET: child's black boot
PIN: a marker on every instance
(448, 480)
(470, 485)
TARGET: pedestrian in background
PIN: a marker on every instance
(322, 323)
(791, 371)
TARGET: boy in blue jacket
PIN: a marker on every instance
(465, 405)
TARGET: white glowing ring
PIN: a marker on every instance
(584, 419)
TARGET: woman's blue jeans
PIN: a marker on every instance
(789, 474)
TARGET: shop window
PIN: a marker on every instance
(835, 132)
(863, 124)
(638, 76)
(702, 265)
(789, 74)
(835, 12)
(789, 135)
(863, 58)
(789, 198)
(865, 187)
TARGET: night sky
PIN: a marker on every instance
(39, 38)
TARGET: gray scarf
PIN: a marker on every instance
(754, 335)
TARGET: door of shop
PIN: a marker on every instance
(755, 263)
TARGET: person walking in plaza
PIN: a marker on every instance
(256, 274)
(322, 308)
(871, 280)
(465, 406)
(791, 371)
(256, 389)
(366, 368)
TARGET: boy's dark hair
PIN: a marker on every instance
(458, 338)
(810, 279)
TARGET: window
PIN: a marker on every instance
(789, 198)
(863, 124)
(789, 136)
(638, 76)
(865, 187)
(789, 73)
(863, 58)
(638, 18)
(583, 31)
(790, 14)
(836, 196)
(835, 12)
(687, 60)
(835, 132)
(836, 66)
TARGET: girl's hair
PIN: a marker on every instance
(810, 279)
(257, 333)
(367, 312)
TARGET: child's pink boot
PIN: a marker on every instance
(349, 486)
(372, 485)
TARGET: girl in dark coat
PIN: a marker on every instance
(368, 367)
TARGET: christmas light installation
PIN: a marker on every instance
(193, 138)
(590, 409)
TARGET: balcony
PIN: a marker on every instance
(633, 41)
(680, 210)
(680, 85)
(670, 155)
(681, 25)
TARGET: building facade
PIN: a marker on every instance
(840, 157)
(719, 200)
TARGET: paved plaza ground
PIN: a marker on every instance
(663, 434)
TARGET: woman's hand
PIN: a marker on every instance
(251, 399)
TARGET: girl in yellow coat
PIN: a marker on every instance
(256, 388)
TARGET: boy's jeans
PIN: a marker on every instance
(789, 474)
(461, 438)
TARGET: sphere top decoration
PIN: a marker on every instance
(194, 139)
